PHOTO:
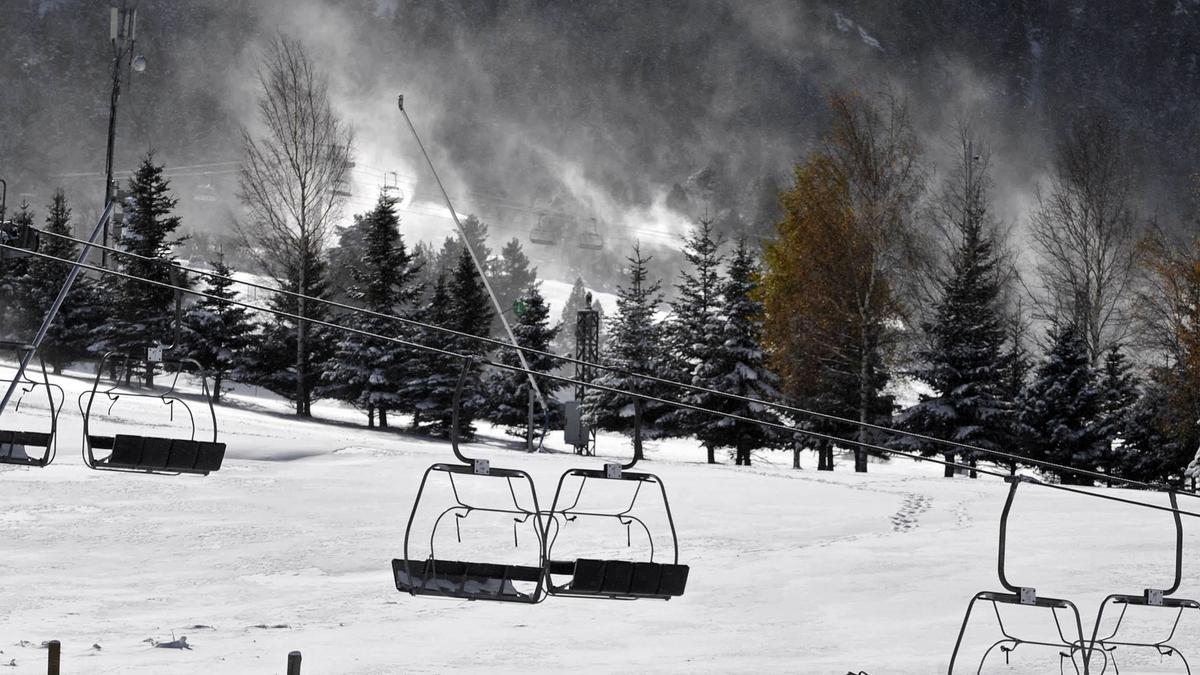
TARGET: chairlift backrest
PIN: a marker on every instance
(19, 444)
(19, 236)
(189, 452)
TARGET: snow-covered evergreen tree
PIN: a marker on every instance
(565, 342)
(12, 277)
(364, 371)
(1153, 449)
(271, 361)
(429, 378)
(690, 332)
(635, 345)
(470, 313)
(511, 278)
(218, 334)
(1060, 406)
(733, 362)
(141, 314)
(961, 358)
(508, 391)
(81, 312)
(1118, 387)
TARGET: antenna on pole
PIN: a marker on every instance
(479, 267)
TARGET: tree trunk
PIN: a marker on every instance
(712, 453)
(370, 417)
(302, 288)
(216, 392)
(974, 462)
(795, 456)
(825, 457)
(949, 466)
(383, 418)
(637, 430)
(864, 401)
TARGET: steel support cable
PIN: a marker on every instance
(601, 387)
(1044, 464)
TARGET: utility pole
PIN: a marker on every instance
(122, 33)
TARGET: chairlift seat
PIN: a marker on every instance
(13, 446)
(467, 580)
(622, 578)
(591, 241)
(18, 236)
(157, 454)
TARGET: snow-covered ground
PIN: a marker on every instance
(288, 547)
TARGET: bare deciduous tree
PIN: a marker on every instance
(1085, 231)
(290, 178)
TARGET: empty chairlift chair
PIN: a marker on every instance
(1149, 597)
(188, 452)
(593, 240)
(471, 579)
(544, 233)
(18, 236)
(1024, 596)
(19, 443)
(652, 573)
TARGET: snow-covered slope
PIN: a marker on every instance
(289, 547)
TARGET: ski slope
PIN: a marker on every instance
(289, 546)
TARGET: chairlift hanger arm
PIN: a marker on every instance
(478, 263)
(643, 376)
(615, 390)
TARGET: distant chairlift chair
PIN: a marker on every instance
(1023, 597)
(543, 233)
(607, 578)
(471, 580)
(16, 444)
(1149, 598)
(166, 455)
(592, 241)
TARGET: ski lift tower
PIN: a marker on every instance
(587, 351)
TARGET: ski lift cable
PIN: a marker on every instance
(1044, 464)
(479, 267)
(78, 265)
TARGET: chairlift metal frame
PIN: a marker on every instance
(544, 234)
(1024, 596)
(613, 579)
(21, 236)
(169, 456)
(1149, 598)
(472, 580)
(12, 439)
(592, 241)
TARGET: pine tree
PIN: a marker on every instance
(634, 345)
(13, 274)
(142, 314)
(218, 334)
(430, 377)
(565, 343)
(960, 361)
(734, 363)
(81, 312)
(508, 391)
(471, 314)
(1118, 387)
(689, 334)
(272, 360)
(364, 371)
(1152, 450)
(1059, 408)
(511, 278)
